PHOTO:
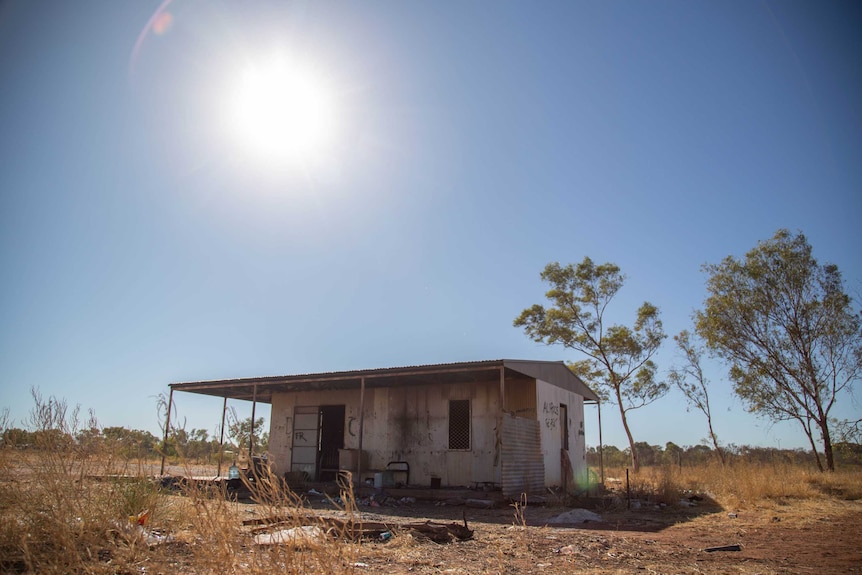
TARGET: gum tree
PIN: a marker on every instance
(618, 358)
(689, 379)
(788, 330)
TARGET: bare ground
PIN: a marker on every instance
(809, 536)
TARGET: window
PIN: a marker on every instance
(459, 424)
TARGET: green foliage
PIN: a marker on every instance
(785, 325)
(619, 358)
(240, 433)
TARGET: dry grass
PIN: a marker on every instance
(63, 510)
(56, 517)
(740, 483)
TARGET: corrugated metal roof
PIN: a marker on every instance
(262, 388)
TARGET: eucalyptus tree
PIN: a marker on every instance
(618, 358)
(690, 380)
(789, 332)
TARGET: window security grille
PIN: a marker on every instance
(459, 424)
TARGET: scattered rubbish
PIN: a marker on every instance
(442, 533)
(386, 536)
(479, 503)
(153, 537)
(314, 491)
(542, 565)
(567, 550)
(576, 516)
(360, 564)
(724, 548)
(407, 500)
(732, 515)
(687, 503)
(305, 536)
(141, 518)
(136, 531)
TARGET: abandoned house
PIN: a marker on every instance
(509, 424)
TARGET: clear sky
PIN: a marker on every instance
(146, 239)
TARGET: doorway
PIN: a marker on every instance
(331, 440)
(564, 426)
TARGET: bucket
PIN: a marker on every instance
(384, 479)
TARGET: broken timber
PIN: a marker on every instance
(437, 532)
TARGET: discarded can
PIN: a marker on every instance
(386, 536)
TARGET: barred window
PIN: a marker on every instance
(459, 424)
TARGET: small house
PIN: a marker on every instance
(509, 424)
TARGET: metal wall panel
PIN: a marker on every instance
(523, 469)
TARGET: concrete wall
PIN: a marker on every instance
(549, 398)
(409, 423)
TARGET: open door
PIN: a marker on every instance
(318, 434)
(306, 429)
(331, 440)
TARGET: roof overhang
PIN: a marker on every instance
(261, 389)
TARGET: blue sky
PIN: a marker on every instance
(475, 143)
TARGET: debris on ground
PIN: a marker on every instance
(299, 537)
(442, 532)
(724, 548)
(346, 528)
(315, 528)
(575, 516)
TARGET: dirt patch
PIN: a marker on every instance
(785, 537)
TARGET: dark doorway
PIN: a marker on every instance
(564, 426)
(331, 440)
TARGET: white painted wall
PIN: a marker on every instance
(549, 398)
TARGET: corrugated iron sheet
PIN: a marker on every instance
(523, 470)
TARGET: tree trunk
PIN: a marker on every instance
(827, 445)
(718, 449)
(808, 433)
(636, 465)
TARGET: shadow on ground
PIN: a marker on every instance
(609, 513)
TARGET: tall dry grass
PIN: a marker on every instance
(738, 483)
(67, 510)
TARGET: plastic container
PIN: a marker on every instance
(233, 472)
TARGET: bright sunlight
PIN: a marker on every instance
(283, 113)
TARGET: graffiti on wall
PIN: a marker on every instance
(551, 412)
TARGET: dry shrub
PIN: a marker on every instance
(56, 518)
(65, 509)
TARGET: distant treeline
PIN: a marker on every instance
(693, 455)
(196, 444)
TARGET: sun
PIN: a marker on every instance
(282, 112)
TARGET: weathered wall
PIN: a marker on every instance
(549, 398)
(523, 469)
(521, 398)
(408, 423)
